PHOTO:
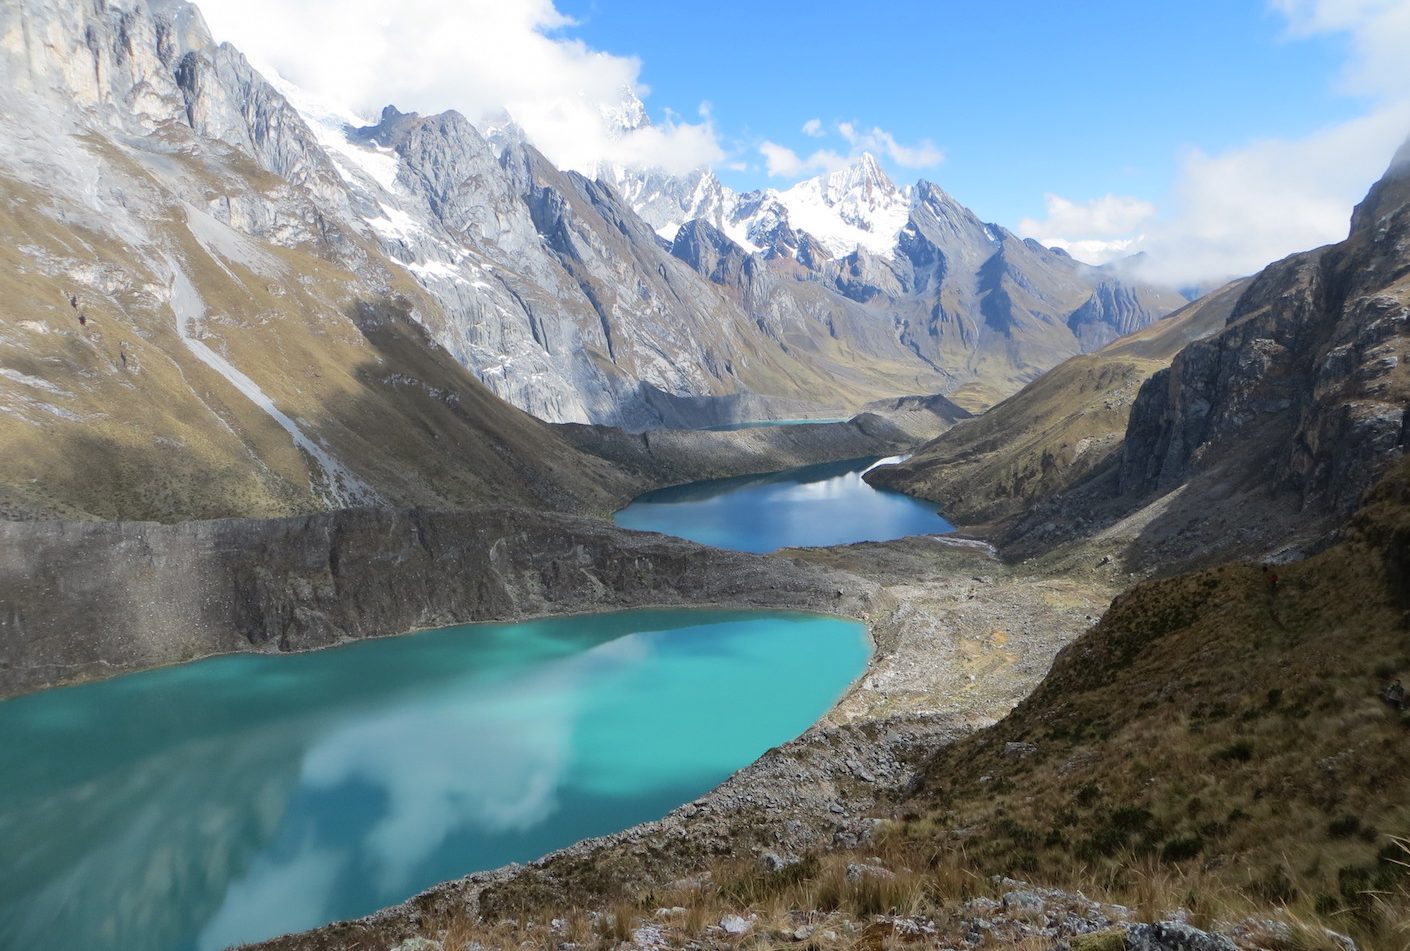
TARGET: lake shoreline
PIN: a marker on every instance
(151, 595)
(600, 722)
(814, 506)
(937, 673)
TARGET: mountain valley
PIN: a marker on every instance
(278, 377)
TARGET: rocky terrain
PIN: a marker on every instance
(255, 356)
(1259, 437)
(960, 638)
(1211, 760)
(1054, 433)
(197, 252)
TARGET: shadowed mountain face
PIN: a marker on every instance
(1055, 432)
(1306, 382)
(1285, 402)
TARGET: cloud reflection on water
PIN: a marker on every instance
(492, 761)
(232, 799)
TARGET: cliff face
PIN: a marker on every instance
(140, 158)
(1305, 388)
(1055, 432)
(200, 320)
(1250, 423)
(80, 600)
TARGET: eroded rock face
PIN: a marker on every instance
(548, 286)
(87, 599)
(1305, 383)
(1115, 309)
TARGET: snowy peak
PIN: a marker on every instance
(857, 206)
(863, 181)
(626, 115)
(667, 201)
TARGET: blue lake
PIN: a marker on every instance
(826, 504)
(241, 797)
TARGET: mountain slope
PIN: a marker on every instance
(1306, 382)
(1257, 438)
(1055, 432)
(188, 334)
(1217, 724)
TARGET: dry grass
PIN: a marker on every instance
(1213, 744)
(838, 911)
(125, 421)
(1054, 432)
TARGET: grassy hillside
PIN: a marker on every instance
(1219, 729)
(1057, 430)
(109, 412)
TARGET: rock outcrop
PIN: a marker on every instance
(1056, 432)
(1252, 427)
(1304, 390)
(80, 600)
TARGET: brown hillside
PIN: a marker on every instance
(1055, 432)
(1223, 723)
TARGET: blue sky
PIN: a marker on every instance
(1215, 136)
(1024, 98)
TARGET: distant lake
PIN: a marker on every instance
(238, 798)
(812, 506)
(756, 423)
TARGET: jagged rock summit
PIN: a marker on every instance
(242, 299)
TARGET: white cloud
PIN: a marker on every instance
(1095, 251)
(476, 56)
(1378, 30)
(1233, 212)
(1101, 217)
(1096, 231)
(880, 142)
(783, 162)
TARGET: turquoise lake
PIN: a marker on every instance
(827, 504)
(241, 797)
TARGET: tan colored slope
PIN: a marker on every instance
(1057, 430)
(1218, 728)
(108, 413)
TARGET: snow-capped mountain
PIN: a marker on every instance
(663, 200)
(668, 201)
(965, 296)
(857, 206)
(290, 238)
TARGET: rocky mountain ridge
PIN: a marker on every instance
(1259, 437)
(546, 285)
(965, 296)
